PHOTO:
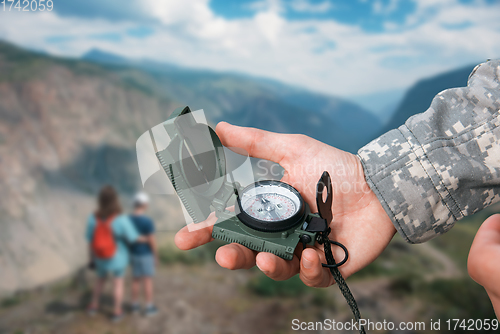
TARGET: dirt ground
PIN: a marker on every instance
(194, 300)
(205, 298)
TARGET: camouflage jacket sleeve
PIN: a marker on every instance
(443, 164)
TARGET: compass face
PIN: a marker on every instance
(270, 205)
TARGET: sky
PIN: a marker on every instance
(342, 48)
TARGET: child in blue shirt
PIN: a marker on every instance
(143, 256)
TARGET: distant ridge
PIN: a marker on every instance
(258, 102)
(100, 56)
(419, 97)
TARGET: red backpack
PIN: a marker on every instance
(103, 243)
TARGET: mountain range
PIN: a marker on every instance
(68, 126)
(249, 101)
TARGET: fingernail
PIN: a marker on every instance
(265, 272)
(307, 263)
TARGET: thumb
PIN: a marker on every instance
(484, 255)
(311, 271)
(257, 143)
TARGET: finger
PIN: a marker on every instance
(311, 271)
(277, 268)
(257, 143)
(482, 261)
(235, 256)
(185, 239)
(489, 232)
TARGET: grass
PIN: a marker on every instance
(456, 243)
(398, 260)
(459, 298)
(11, 301)
(56, 290)
(322, 299)
(262, 285)
(206, 253)
(445, 299)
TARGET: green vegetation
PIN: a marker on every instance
(11, 301)
(264, 286)
(400, 259)
(456, 243)
(460, 298)
(321, 298)
(206, 253)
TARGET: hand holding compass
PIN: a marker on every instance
(360, 222)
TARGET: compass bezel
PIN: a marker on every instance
(265, 225)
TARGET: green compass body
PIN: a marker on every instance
(269, 216)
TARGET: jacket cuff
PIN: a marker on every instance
(408, 186)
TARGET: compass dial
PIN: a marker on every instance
(270, 205)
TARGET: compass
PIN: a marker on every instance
(269, 216)
(270, 206)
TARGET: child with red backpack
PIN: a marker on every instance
(109, 233)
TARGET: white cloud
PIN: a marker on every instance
(270, 25)
(178, 12)
(189, 33)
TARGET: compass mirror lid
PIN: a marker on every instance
(196, 151)
(191, 162)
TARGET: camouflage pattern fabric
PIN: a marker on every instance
(443, 164)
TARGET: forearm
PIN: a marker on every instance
(443, 164)
(154, 247)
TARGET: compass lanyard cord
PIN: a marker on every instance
(339, 279)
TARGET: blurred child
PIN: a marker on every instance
(108, 232)
(144, 256)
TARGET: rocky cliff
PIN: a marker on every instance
(66, 127)
(69, 126)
